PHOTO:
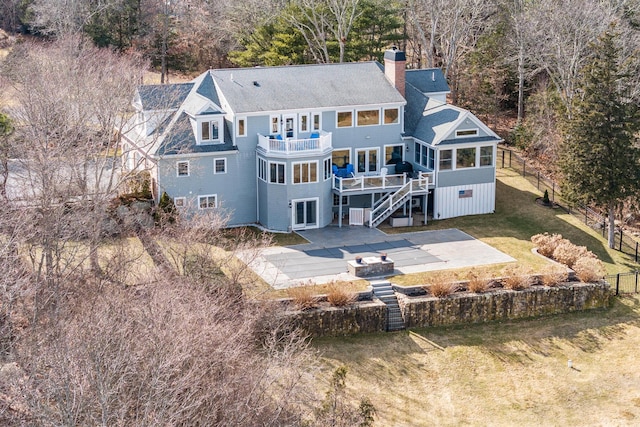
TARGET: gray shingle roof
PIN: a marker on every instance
(181, 140)
(161, 97)
(429, 80)
(305, 86)
(469, 140)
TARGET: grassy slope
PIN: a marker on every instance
(512, 373)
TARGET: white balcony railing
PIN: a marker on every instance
(367, 183)
(290, 146)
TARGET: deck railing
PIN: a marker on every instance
(289, 145)
(378, 182)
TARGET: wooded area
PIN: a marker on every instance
(102, 342)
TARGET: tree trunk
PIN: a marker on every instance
(520, 84)
(612, 227)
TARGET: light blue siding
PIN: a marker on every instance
(466, 176)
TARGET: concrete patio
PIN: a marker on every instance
(325, 257)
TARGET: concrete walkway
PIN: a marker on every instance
(325, 257)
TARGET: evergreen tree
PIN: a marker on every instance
(599, 157)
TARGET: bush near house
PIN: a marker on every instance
(517, 277)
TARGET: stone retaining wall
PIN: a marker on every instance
(461, 308)
(363, 317)
(503, 304)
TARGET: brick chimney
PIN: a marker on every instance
(394, 67)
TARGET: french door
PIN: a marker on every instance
(367, 160)
(305, 213)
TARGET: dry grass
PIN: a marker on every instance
(340, 296)
(589, 269)
(567, 253)
(546, 243)
(517, 277)
(554, 275)
(304, 297)
(442, 284)
(503, 374)
(478, 281)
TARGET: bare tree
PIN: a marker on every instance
(322, 22)
(165, 354)
(448, 30)
(562, 32)
(69, 102)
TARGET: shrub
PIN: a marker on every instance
(589, 269)
(477, 281)
(547, 243)
(567, 253)
(303, 297)
(517, 277)
(442, 284)
(545, 198)
(338, 297)
(553, 275)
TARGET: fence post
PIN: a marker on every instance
(617, 283)
(620, 240)
(524, 168)
(553, 193)
(509, 158)
(538, 180)
(636, 281)
(502, 159)
(636, 253)
(604, 226)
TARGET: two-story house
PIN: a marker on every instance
(299, 147)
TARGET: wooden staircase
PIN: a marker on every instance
(390, 203)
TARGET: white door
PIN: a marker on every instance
(305, 214)
(367, 160)
(289, 121)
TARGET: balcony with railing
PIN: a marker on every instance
(317, 142)
(380, 183)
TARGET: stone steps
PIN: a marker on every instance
(384, 292)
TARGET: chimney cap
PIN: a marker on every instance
(394, 54)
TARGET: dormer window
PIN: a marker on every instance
(210, 131)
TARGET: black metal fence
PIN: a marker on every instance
(624, 242)
(624, 283)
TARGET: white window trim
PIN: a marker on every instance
(384, 160)
(327, 162)
(353, 119)
(476, 130)
(278, 125)
(312, 122)
(261, 162)
(293, 165)
(300, 128)
(397, 120)
(178, 168)
(284, 169)
(378, 159)
(215, 196)
(366, 109)
(493, 157)
(180, 202)
(238, 126)
(220, 124)
(224, 159)
(452, 159)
